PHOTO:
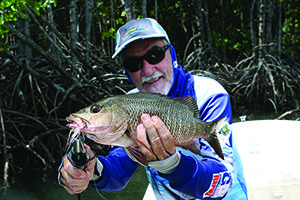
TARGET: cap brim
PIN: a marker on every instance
(135, 39)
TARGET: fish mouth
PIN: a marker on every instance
(77, 122)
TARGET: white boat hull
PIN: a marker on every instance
(269, 150)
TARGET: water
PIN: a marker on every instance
(38, 186)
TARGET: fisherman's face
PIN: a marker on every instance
(154, 78)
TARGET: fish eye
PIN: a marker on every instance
(95, 109)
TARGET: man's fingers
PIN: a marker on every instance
(89, 151)
(70, 189)
(154, 137)
(90, 166)
(68, 170)
(166, 137)
(76, 180)
(142, 137)
(72, 185)
(75, 189)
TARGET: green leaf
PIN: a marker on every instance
(6, 4)
(123, 13)
(23, 15)
(236, 45)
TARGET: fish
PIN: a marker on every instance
(114, 120)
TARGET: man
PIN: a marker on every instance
(150, 63)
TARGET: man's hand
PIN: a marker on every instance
(76, 180)
(155, 135)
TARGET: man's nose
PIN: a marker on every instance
(147, 69)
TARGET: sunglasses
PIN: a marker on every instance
(153, 56)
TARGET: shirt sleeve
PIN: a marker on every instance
(208, 176)
(118, 168)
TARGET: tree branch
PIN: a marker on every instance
(51, 60)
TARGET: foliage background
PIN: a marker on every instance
(55, 58)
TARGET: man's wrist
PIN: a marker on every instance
(168, 165)
(98, 170)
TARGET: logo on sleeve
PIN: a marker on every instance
(219, 185)
(225, 130)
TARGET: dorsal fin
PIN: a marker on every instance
(191, 103)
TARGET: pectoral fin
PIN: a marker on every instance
(135, 154)
(134, 151)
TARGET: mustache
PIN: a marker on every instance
(153, 76)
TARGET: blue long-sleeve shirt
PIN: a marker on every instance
(205, 176)
(196, 177)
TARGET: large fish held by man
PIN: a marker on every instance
(114, 120)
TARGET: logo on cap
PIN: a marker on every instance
(130, 30)
(133, 29)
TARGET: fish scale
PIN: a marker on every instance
(122, 113)
(162, 109)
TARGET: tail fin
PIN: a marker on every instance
(213, 139)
